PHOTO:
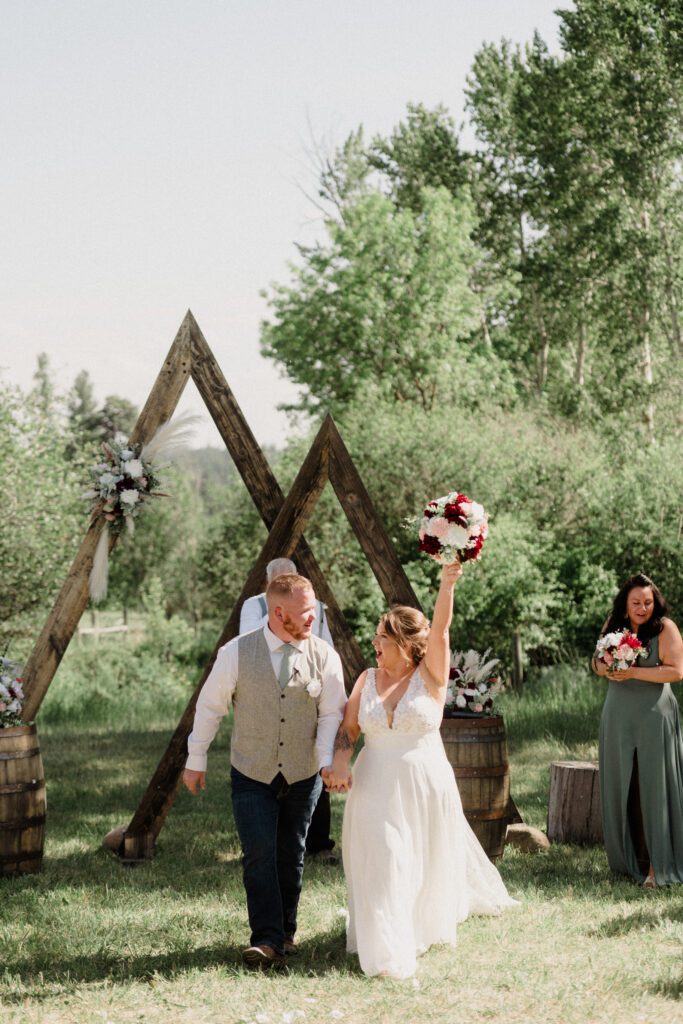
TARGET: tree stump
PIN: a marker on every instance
(574, 814)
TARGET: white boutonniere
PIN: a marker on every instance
(313, 687)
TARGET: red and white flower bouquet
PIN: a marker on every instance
(619, 650)
(453, 528)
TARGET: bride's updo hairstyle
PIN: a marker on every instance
(409, 628)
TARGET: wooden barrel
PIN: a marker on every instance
(22, 801)
(477, 750)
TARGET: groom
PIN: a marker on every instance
(286, 687)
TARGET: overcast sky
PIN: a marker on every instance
(154, 154)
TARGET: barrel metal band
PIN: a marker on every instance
(19, 823)
(19, 858)
(484, 815)
(22, 787)
(484, 772)
(16, 755)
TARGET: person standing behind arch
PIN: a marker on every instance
(254, 612)
(254, 615)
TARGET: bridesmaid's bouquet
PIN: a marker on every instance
(619, 650)
(453, 528)
(473, 683)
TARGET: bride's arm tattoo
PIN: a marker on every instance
(342, 740)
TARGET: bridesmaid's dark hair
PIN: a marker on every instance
(618, 618)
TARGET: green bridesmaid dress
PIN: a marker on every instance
(641, 725)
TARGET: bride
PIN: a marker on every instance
(414, 868)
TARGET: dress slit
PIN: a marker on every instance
(634, 814)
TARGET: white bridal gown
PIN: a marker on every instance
(414, 868)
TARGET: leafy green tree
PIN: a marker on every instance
(579, 161)
(43, 516)
(628, 86)
(422, 152)
(43, 396)
(387, 300)
(118, 415)
(84, 418)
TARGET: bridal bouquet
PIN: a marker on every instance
(124, 483)
(619, 650)
(11, 694)
(472, 684)
(453, 528)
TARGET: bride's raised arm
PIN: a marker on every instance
(438, 654)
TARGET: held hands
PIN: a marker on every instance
(194, 781)
(336, 781)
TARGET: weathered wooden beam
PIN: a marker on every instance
(367, 525)
(264, 489)
(287, 529)
(72, 599)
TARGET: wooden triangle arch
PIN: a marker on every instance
(328, 459)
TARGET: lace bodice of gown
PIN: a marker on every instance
(416, 714)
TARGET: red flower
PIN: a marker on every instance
(471, 553)
(432, 545)
(453, 512)
(430, 511)
(630, 640)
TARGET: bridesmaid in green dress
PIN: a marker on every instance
(641, 744)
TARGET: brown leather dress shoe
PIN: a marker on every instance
(263, 958)
(291, 948)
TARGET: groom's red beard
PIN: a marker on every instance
(300, 632)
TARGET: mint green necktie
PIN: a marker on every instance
(288, 653)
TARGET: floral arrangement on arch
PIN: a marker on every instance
(619, 650)
(473, 683)
(453, 528)
(123, 485)
(11, 694)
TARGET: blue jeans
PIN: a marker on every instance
(272, 820)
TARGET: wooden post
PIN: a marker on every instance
(366, 524)
(574, 814)
(517, 662)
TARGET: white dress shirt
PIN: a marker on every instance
(253, 616)
(216, 697)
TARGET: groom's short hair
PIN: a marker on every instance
(287, 584)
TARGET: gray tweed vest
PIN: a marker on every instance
(274, 730)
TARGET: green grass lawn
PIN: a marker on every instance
(88, 940)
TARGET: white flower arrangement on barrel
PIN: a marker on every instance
(453, 528)
(123, 485)
(619, 650)
(472, 684)
(11, 694)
